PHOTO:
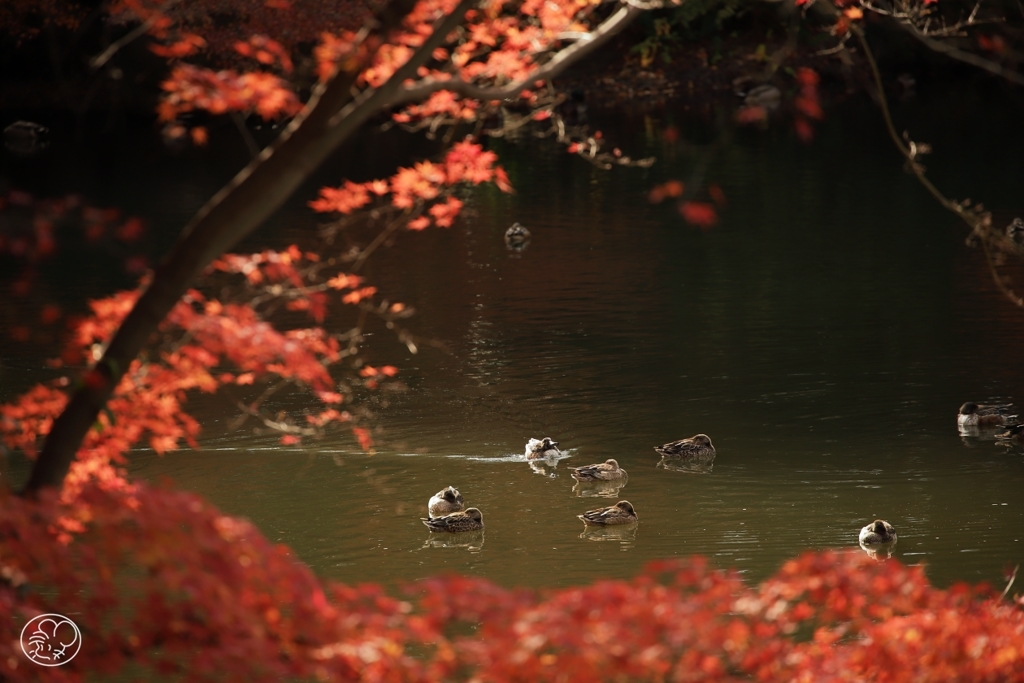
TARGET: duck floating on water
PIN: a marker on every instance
(1013, 433)
(981, 415)
(879, 531)
(620, 513)
(696, 447)
(470, 520)
(1015, 231)
(445, 502)
(517, 238)
(608, 470)
(542, 448)
(26, 138)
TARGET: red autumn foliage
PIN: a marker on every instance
(808, 106)
(994, 43)
(668, 189)
(750, 114)
(717, 194)
(192, 88)
(699, 214)
(35, 229)
(423, 192)
(207, 344)
(256, 613)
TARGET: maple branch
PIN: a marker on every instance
(973, 220)
(334, 112)
(586, 44)
(381, 237)
(1009, 583)
(918, 24)
(134, 34)
(963, 55)
(254, 149)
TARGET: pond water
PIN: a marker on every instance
(823, 334)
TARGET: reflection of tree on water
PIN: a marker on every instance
(624, 534)
(598, 489)
(680, 465)
(473, 541)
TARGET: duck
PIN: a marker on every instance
(995, 415)
(765, 95)
(620, 513)
(697, 447)
(470, 520)
(879, 531)
(1012, 433)
(1015, 231)
(517, 237)
(608, 470)
(26, 138)
(542, 448)
(445, 502)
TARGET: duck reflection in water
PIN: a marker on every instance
(473, 541)
(878, 552)
(984, 437)
(695, 466)
(545, 468)
(623, 534)
(598, 489)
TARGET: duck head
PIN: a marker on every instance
(969, 408)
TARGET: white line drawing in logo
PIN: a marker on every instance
(51, 639)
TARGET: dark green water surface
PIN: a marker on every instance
(823, 334)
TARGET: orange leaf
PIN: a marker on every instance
(699, 214)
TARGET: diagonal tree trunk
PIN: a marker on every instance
(333, 114)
